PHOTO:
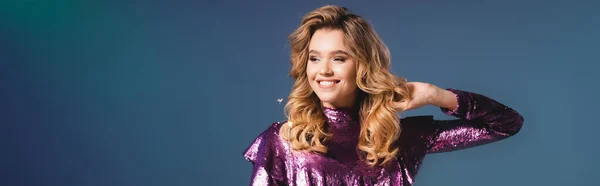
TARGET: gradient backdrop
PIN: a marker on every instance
(170, 93)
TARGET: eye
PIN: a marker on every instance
(339, 59)
(312, 59)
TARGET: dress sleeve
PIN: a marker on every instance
(267, 156)
(480, 120)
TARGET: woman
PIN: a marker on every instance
(343, 127)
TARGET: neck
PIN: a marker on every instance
(344, 126)
(341, 116)
(347, 105)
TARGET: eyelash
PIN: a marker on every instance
(313, 59)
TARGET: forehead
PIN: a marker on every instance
(326, 40)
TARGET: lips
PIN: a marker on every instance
(327, 83)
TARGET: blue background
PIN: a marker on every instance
(172, 92)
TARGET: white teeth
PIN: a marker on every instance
(326, 82)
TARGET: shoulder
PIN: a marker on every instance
(413, 124)
(412, 142)
(273, 129)
(268, 141)
(272, 132)
(413, 121)
(413, 129)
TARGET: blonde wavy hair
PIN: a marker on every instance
(380, 124)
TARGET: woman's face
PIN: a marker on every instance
(331, 72)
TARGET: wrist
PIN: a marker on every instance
(434, 96)
(444, 98)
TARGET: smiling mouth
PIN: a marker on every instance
(327, 84)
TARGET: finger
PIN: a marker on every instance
(410, 86)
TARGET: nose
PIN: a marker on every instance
(325, 69)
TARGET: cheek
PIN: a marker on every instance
(350, 73)
(310, 71)
(310, 75)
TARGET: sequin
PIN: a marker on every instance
(480, 120)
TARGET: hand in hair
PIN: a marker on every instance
(422, 94)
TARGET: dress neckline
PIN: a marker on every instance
(344, 127)
(340, 117)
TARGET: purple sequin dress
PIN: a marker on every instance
(480, 120)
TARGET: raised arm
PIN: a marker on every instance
(481, 120)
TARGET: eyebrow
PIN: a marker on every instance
(332, 52)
